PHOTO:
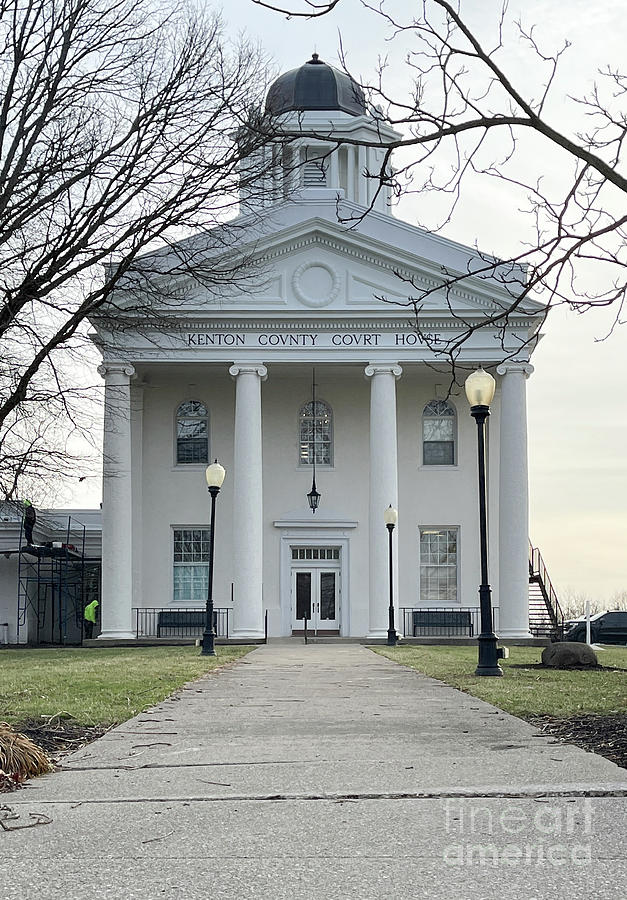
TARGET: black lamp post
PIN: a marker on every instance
(391, 518)
(480, 391)
(215, 476)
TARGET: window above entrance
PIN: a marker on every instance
(315, 423)
(315, 552)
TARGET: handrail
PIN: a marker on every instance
(413, 627)
(147, 621)
(537, 569)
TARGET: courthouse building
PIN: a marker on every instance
(232, 378)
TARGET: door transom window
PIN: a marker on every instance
(315, 553)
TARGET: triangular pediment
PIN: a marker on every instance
(317, 264)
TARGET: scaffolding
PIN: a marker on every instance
(52, 588)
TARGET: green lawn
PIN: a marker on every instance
(525, 690)
(97, 687)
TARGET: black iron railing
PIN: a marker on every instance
(444, 621)
(164, 622)
(539, 574)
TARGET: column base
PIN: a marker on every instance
(245, 634)
(508, 634)
(117, 636)
(377, 634)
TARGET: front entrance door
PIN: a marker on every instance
(315, 595)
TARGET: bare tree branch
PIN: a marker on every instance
(126, 127)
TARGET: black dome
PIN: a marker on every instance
(315, 85)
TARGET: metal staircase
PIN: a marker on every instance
(546, 618)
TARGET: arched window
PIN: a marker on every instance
(192, 432)
(315, 434)
(438, 434)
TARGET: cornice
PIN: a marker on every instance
(331, 321)
(305, 522)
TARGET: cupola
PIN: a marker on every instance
(334, 149)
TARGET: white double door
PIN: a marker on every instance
(316, 596)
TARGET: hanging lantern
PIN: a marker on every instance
(313, 496)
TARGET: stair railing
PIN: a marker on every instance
(538, 571)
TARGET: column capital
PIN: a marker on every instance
(115, 368)
(383, 369)
(249, 369)
(514, 367)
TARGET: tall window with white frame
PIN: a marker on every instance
(192, 433)
(315, 422)
(438, 566)
(438, 434)
(191, 566)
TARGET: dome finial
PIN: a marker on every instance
(315, 59)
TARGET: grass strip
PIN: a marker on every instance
(97, 687)
(527, 689)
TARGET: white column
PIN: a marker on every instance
(137, 434)
(513, 589)
(333, 162)
(350, 173)
(248, 502)
(117, 531)
(362, 182)
(383, 491)
(372, 168)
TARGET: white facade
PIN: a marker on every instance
(246, 360)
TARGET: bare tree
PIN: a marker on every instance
(125, 127)
(574, 602)
(464, 118)
(618, 600)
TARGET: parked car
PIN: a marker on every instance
(605, 628)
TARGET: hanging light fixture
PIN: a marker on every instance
(314, 495)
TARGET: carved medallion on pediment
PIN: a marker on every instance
(316, 284)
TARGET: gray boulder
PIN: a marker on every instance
(569, 655)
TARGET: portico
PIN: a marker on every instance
(265, 520)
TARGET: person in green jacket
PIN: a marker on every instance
(90, 618)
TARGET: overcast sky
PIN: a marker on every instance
(577, 396)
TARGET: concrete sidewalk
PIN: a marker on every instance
(323, 771)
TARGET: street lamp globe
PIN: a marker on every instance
(480, 387)
(215, 475)
(390, 516)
